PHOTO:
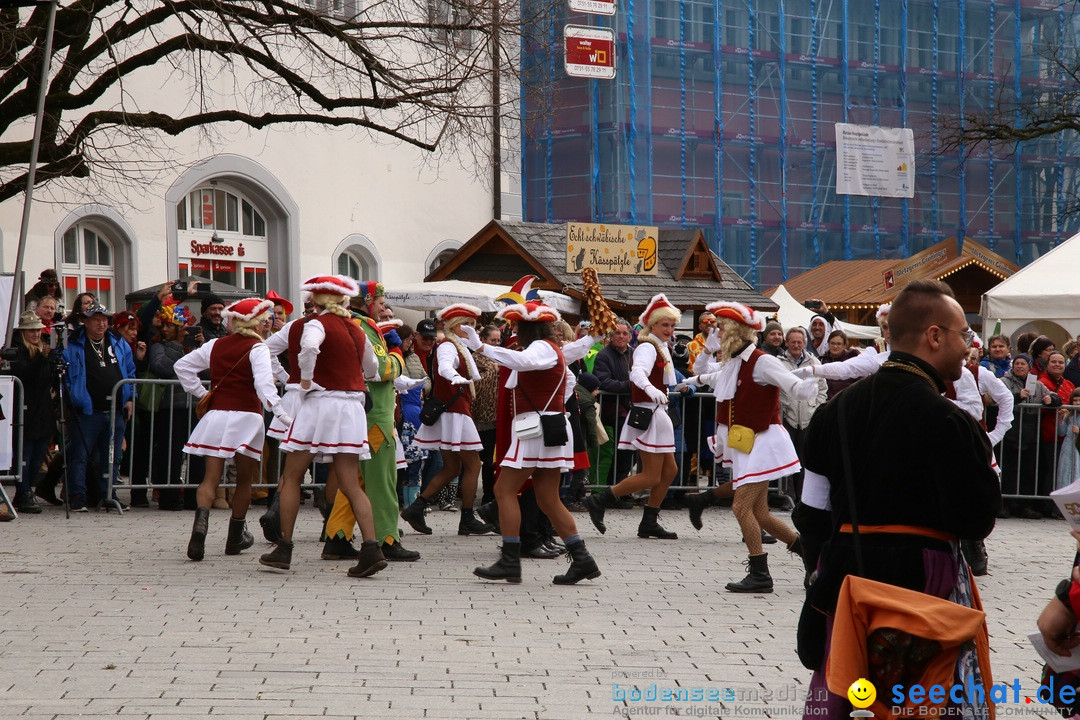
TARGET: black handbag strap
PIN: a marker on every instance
(434, 369)
(849, 481)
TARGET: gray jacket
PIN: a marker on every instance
(162, 358)
(797, 413)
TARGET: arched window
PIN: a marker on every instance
(87, 264)
(440, 254)
(358, 258)
(223, 237)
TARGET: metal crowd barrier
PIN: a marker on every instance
(149, 421)
(18, 405)
(1032, 467)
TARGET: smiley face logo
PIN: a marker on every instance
(862, 693)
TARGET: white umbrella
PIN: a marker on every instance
(436, 295)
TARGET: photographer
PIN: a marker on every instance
(33, 366)
(822, 324)
(96, 362)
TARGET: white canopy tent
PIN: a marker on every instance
(1043, 297)
(436, 295)
(792, 313)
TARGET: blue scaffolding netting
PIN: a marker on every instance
(722, 115)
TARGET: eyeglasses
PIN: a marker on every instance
(968, 334)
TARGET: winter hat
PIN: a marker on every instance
(1023, 356)
(124, 317)
(209, 301)
(1041, 343)
(772, 325)
(588, 381)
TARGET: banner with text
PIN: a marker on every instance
(611, 249)
(875, 161)
(590, 51)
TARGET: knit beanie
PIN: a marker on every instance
(772, 325)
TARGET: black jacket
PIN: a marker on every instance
(38, 376)
(612, 369)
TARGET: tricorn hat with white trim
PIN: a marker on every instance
(658, 302)
(532, 311)
(332, 285)
(246, 309)
(739, 313)
(458, 310)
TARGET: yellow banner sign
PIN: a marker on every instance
(611, 249)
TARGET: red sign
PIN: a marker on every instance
(224, 266)
(207, 210)
(590, 51)
(200, 265)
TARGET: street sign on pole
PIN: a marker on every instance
(590, 51)
(593, 7)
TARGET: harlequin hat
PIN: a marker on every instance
(458, 310)
(739, 313)
(278, 300)
(168, 314)
(659, 303)
(882, 311)
(370, 290)
(247, 309)
(332, 285)
(520, 292)
(532, 311)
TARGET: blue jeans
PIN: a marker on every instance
(33, 453)
(90, 439)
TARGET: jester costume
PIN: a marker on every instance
(378, 475)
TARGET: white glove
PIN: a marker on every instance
(460, 381)
(403, 384)
(281, 415)
(712, 341)
(472, 338)
(656, 395)
(803, 372)
(693, 381)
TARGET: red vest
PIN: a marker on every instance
(756, 406)
(442, 390)
(339, 364)
(656, 379)
(231, 376)
(537, 386)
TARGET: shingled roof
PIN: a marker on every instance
(687, 271)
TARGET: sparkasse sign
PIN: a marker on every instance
(590, 51)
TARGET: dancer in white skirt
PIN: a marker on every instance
(537, 380)
(650, 377)
(242, 383)
(749, 434)
(334, 357)
(453, 434)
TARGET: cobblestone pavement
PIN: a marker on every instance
(104, 615)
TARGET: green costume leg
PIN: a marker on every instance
(380, 483)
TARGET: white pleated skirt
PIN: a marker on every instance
(772, 457)
(329, 423)
(532, 453)
(289, 402)
(452, 431)
(659, 437)
(227, 433)
(399, 453)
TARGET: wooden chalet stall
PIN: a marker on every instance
(854, 289)
(685, 269)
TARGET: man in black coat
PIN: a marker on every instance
(612, 369)
(919, 464)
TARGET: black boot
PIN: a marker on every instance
(26, 503)
(46, 486)
(271, 520)
(650, 525)
(696, 504)
(489, 513)
(370, 560)
(596, 504)
(795, 546)
(582, 565)
(767, 539)
(280, 558)
(757, 580)
(396, 552)
(196, 547)
(414, 515)
(469, 525)
(338, 548)
(239, 538)
(975, 554)
(507, 567)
